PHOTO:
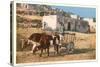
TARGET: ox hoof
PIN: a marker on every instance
(47, 55)
(40, 55)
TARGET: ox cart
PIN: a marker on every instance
(68, 42)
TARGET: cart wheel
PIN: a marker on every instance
(70, 47)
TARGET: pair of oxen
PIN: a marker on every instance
(43, 41)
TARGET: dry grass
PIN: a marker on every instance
(85, 41)
(33, 17)
(24, 33)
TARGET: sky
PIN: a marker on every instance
(81, 11)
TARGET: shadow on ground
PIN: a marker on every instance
(63, 52)
(76, 51)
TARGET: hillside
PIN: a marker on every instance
(41, 10)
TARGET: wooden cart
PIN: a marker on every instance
(69, 42)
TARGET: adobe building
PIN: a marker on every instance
(64, 24)
(92, 24)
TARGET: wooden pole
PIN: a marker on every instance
(22, 43)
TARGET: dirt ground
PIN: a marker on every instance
(85, 49)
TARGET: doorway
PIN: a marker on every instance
(69, 26)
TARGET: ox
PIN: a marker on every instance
(42, 41)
